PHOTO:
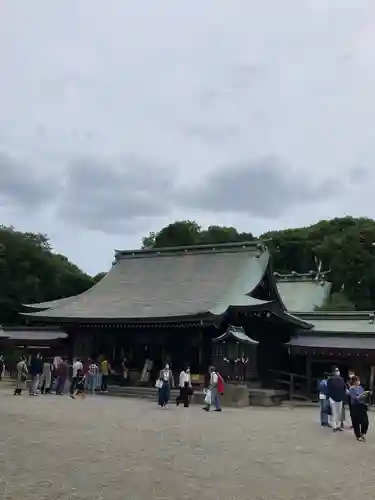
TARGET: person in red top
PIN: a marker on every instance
(216, 387)
(220, 384)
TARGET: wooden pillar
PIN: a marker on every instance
(308, 374)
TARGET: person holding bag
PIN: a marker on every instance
(215, 390)
(164, 384)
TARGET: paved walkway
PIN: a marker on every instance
(122, 449)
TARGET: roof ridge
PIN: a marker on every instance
(181, 250)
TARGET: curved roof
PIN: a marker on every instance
(238, 334)
(354, 342)
(51, 304)
(169, 283)
(303, 295)
(335, 322)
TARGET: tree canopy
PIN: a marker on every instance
(345, 246)
(31, 272)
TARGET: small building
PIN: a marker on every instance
(169, 304)
(343, 339)
(337, 338)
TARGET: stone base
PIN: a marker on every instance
(235, 395)
(266, 397)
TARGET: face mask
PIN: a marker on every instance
(167, 367)
(337, 372)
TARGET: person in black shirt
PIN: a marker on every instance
(337, 392)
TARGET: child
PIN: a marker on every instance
(80, 385)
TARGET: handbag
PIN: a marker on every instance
(159, 384)
(208, 397)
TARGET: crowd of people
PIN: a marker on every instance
(45, 375)
(335, 394)
(77, 377)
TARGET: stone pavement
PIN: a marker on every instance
(56, 448)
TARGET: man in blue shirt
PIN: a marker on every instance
(336, 393)
(324, 402)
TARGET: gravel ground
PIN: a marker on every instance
(123, 449)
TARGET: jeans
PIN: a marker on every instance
(324, 406)
(91, 382)
(60, 385)
(34, 384)
(215, 399)
(164, 394)
(104, 384)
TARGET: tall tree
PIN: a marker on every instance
(31, 272)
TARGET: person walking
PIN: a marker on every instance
(166, 384)
(358, 409)
(2, 366)
(77, 365)
(216, 388)
(46, 378)
(79, 389)
(184, 383)
(36, 370)
(105, 370)
(62, 374)
(22, 372)
(336, 393)
(92, 377)
(325, 408)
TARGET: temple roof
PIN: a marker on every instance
(49, 304)
(31, 333)
(168, 284)
(237, 333)
(361, 322)
(338, 342)
(302, 293)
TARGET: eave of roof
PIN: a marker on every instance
(32, 334)
(237, 333)
(50, 304)
(333, 342)
(166, 284)
(360, 322)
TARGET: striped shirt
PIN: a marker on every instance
(93, 369)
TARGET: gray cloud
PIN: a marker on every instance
(211, 134)
(24, 185)
(264, 188)
(117, 195)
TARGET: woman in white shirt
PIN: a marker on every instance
(166, 378)
(185, 388)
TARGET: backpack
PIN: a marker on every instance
(220, 384)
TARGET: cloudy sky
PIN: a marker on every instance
(120, 116)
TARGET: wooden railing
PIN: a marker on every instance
(295, 384)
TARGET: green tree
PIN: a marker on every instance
(99, 277)
(31, 272)
(187, 233)
(337, 302)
